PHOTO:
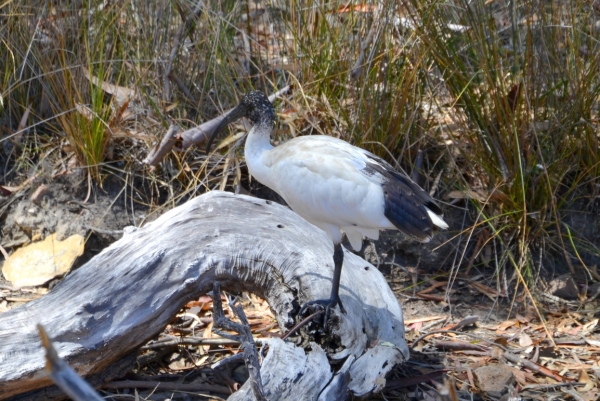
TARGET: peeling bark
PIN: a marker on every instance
(99, 315)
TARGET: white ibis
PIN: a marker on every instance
(333, 185)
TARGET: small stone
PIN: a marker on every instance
(593, 291)
(39, 193)
(563, 287)
(494, 380)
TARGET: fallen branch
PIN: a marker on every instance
(193, 136)
(163, 148)
(249, 351)
(154, 385)
(101, 314)
(201, 133)
(65, 377)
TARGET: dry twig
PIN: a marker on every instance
(250, 353)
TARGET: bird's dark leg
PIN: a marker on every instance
(338, 261)
(334, 299)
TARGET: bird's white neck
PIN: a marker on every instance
(258, 142)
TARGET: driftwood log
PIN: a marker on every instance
(100, 315)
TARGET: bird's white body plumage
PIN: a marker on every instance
(325, 181)
(333, 185)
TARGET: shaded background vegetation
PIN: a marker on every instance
(500, 98)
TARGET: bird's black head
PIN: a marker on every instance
(255, 106)
(258, 108)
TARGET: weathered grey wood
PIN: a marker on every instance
(128, 293)
(248, 345)
(64, 376)
(306, 373)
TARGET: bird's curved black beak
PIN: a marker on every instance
(232, 116)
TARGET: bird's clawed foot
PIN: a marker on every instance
(321, 305)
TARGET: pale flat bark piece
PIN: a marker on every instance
(337, 389)
(310, 371)
(105, 310)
